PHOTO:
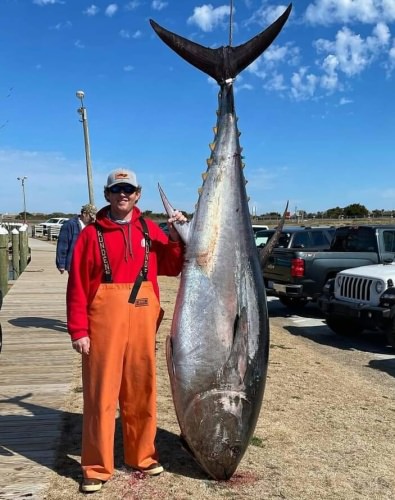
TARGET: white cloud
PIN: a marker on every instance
(91, 11)
(266, 15)
(111, 9)
(344, 101)
(304, 84)
(43, 170)
(158, 4)
(272, 58)
(207, 17)
(128, 68)
(353, 53)
(346, 11)
(124, 34)
(330, 81)
(132, 5)
(137, 34)
(79, 44)
(276, 82)
(61, 26)
(391, 59)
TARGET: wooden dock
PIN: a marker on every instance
(36, 366)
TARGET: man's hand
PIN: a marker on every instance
(61, 271)
(82, 345)
(179, 218)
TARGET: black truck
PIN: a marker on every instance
(297, 276)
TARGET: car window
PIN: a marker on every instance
(263, 236)
(283, 240)
(318, 238)
(389, 241)
(360, 239)
(301, 240)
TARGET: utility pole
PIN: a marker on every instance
(22, 179)
(84, 118)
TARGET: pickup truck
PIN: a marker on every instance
(53, 222)
(362, 298)
(298, 276)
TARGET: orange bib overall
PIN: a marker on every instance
(120, 368)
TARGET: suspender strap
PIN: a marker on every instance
(107, 274)
(144, 270)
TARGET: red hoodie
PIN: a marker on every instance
(125, 247)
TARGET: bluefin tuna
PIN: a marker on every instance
(217, 351)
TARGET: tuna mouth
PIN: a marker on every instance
(217, 428)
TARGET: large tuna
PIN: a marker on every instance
(218, 349)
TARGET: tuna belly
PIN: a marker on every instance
(217, 427)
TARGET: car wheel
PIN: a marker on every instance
(390, 333)
(344, 326)
(293, 302)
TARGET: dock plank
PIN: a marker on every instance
(36, 367)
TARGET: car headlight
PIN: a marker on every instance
(388, 297)
(338, 281)
(379, 286)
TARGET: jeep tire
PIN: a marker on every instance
(344, 326)
(390, 333)
(293, 302)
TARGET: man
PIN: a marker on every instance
(68, 235)
(113, 312)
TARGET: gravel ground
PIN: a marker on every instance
(326, 431)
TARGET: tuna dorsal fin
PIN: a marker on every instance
(225, 62)
(267, 250)
(182, 229)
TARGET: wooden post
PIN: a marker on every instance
(15, 254)
(23, 247)
(4, 263)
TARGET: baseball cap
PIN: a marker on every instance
(121, 176)
(89, 209)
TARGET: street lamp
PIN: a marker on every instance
(22, 179)
(84, 118)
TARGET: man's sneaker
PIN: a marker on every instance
(91, 485)
(153, 470)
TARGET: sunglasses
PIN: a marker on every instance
(125, 188)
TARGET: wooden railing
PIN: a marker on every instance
(13, 244)
(53, 232)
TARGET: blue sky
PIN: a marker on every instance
(316, 111)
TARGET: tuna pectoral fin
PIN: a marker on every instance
(182, 229)
(225, 62)
(267, 250)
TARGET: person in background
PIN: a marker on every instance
(68, 235)
(113, 313)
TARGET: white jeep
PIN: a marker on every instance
(361, 298)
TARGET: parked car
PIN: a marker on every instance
(318, 238)
(164, 227)
(54, 221)
(299, 275)
(361, 298)
(258, 227)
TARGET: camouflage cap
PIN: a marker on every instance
(89, 209)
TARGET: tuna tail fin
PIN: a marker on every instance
(182, 229)
(225, 62)
(267, 250)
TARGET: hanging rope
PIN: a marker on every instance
(230, 23)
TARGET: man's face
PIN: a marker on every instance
(87, 218)
(123, 197)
